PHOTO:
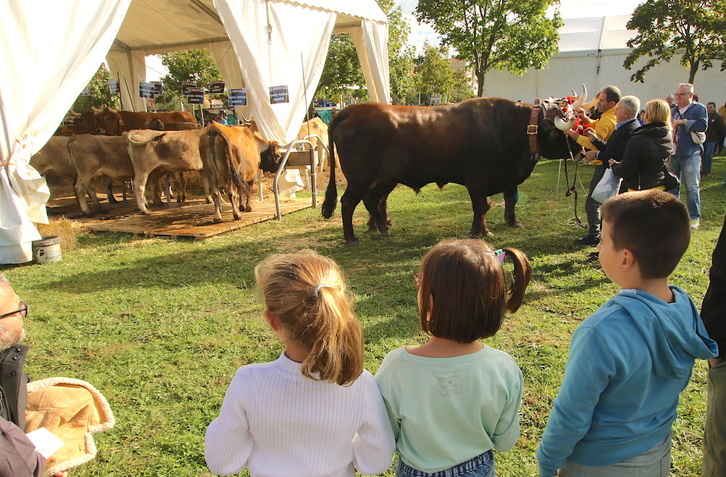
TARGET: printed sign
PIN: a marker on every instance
(216, 87)
(195, 95)
(113, 86)
(146, 90)
(238, 97)
(435, 99)
(186, 85)
(279, 94)
(158, 88)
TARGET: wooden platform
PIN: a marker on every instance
(193, 219)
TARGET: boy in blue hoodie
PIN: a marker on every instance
(630, 359)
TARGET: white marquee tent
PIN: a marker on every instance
(592, 51)
(50, 50)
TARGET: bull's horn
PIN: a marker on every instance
(96, 110)
(581, 100)
(591, 104)
(74, 114)
(563, 125)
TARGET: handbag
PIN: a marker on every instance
(670, 180)
(698, 137)
(606, 188)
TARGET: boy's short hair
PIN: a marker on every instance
(652, 224)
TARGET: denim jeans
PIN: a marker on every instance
(655, 462)
(688, 168)
(708, 149)
(479, 466)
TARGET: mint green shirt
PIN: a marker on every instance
(444, 411)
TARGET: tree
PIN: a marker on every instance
(495, 34)
(434, 74)
(666, 28)
(342, 69)
(187, 65)
(100, 93)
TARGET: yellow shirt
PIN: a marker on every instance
(603, 127)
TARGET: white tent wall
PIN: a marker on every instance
(129, 67)
(592, 51)
(50, 51)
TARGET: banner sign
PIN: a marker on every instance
(158, 88)
(216, 87)
(146, 90)
(113, 86)
(238, 97)
(435, 99)
(186, 85)
(279, 94)
(195, 95)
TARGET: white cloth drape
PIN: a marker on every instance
(129, 67)
(371, 42)
(290, 52)
(48, 53)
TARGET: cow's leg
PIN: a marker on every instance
(248, 196)
(375, 202)
(511, 196)
(181, 185)
(217, 198)
(139, 190)
(82, 186)
(383, 204)
(348, 202)
(233, 199)
(481, 204)
(108, 183)
(94, 198)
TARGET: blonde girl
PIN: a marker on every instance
(454, 399)
(314, 411)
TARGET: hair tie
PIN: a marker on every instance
(317, 289)
(500, 256)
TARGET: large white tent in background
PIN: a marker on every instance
(592, 51)
(50, 50)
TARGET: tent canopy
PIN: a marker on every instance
(55, 48)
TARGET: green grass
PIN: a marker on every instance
(160, 326)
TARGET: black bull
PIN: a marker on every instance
(480, 143)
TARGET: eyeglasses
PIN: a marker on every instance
(23, 311)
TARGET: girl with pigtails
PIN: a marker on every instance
(453, 399)
(314, 411)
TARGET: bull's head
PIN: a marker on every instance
(109, 122)
(565, 117)
(270, 158)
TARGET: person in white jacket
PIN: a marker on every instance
(314, 411)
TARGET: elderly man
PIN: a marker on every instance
(688, 116)
(715, 135)
(603, 128)
(18, 456)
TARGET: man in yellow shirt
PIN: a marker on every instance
(603, 128)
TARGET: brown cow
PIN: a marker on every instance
(159, 125)
(162, 151)
(97, 156)
(316, 127)
(55, 158)
(113, 123)
(232, 156)
(482, 143)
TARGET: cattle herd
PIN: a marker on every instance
(489, 145)
(106, 146)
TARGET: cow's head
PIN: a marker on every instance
(270, 157)
(108, 121)
(558, 115)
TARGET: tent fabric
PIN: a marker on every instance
(45, 61)
(592, 52)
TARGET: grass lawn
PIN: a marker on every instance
(160, 326)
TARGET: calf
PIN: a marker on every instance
(316, 127)
(232, 157)
(161, 151)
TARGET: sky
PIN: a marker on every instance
(568, 9)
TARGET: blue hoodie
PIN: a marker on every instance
(628, 363)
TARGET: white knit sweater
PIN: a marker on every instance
(277, 423)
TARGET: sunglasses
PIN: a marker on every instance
(23, 310)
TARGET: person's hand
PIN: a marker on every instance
(611, 162)
(679, 122)
(590, 133)
(573, 134)
(589, 157)
(714, 361)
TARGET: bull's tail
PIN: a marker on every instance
(231, 171)
(331, 194)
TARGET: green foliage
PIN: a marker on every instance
(186, 65)
(495, 34)
(100, 93)
(400, 53)
(666, 28)
(160, 326)
(342, 70)
(433, 73)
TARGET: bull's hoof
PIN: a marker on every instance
(248, 209)
(516, 225)
(217, 221)
(389, 222)
(385, 233)
(146, 212)
(112, 200)
(352, 243)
